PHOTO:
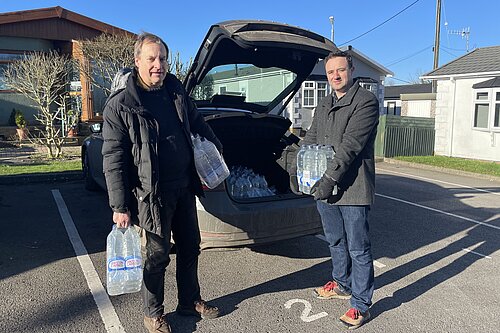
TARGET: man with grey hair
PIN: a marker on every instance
(151, 178)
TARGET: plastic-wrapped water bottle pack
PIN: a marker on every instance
(124, 261)
(312, 161)
(243, 182)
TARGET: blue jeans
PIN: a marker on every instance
(346, 231)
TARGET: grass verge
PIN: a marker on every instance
(463, 164)
(41, 166)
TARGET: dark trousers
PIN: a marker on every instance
(178, 215)
(347, 232)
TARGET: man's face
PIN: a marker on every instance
(152, 63)
(339, 75)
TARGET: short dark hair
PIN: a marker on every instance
(146, 37)
(343, 54)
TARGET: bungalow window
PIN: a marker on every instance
(308, 99)
(313, 92)
(5, 60)
(3, 67)
(487, 109)
(391, 108)
(372, 87)
(322, 90)
(496, 116)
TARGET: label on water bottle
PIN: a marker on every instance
(306, 177)
(313, 181)
(132, 262)
(116, 264)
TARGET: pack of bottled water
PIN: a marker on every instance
(124, 261)
(312, 161)
(209, 163)
(243, 182)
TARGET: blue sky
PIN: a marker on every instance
(403, 44)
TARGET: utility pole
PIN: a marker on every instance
(331, 23)
(436, 42)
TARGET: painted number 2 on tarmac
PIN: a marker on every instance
(305, 316)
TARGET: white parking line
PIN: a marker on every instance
(106, 310)
(439, 211)
(375, 262)
(438, 181)
(477, 253)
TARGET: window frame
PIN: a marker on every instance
(311, 89)
(370, 86)
(314, 88)
(391, 105)
(17, 53)
(492, 102)
(495, 110)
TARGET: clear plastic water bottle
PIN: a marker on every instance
(307, 171)
(115, 272)
(133, 261)
(318, 165)
(300, 167)
(329, 153)
(209, 163)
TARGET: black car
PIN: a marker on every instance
(242, 78)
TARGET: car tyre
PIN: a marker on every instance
(90, 183)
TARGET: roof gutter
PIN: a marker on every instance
(460, 76)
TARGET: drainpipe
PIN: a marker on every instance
(452, 80)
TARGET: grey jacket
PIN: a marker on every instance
(350, 127)
(130, 159)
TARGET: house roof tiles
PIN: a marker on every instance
(394, 92)
(493, 83)
(480, 60)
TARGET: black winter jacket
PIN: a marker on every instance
(130, 156)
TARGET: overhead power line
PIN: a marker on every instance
(390, 18)
(395, 78)
(407, 57)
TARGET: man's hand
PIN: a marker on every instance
(122, 220)
(294, 184)
(324, 188)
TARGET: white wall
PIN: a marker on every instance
(454, 119)
(420, 108)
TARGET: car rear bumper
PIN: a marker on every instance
(229, 224)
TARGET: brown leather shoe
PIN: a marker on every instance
(157, 325)
(199, 309)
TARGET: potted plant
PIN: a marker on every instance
(72, 121)
(21, 124)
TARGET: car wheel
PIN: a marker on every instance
(90, 183)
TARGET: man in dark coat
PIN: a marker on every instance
(346, 120)
(151, 178)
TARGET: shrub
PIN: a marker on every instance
(20, 120)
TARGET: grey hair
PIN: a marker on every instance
(146, 37)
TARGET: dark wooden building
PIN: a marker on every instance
(53, 28)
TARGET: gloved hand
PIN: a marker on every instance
(323, 188)
(294, 184)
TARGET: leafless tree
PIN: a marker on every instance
(104, 56)
(415, 78)
(177, 67)
(42, 77)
